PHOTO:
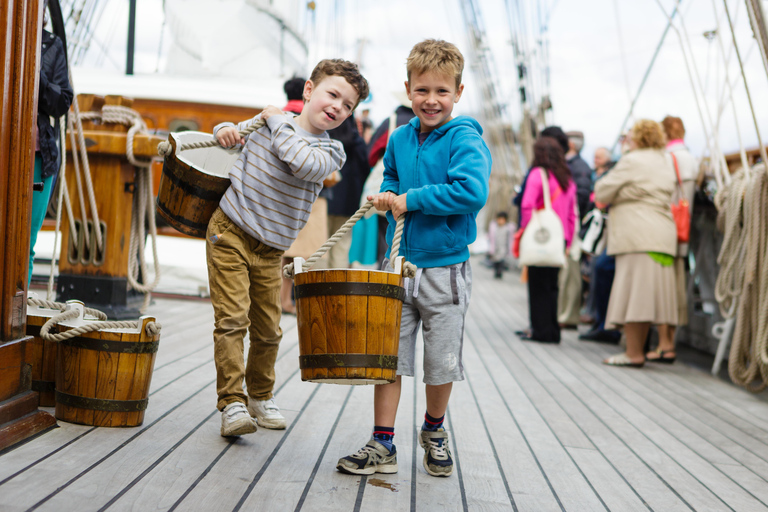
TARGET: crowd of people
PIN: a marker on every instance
(635, 278)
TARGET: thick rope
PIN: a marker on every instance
(409, 270)
(164, 148)
(143, 200)
(743, 277)
(48, 304)
(62, 187)
(152, 329)
(87, 171)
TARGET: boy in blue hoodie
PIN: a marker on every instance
(437, 169)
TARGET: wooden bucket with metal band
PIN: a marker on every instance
(349, 324)
(103, 377)
(193, 182)
(41, 355)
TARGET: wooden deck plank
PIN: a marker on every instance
(528, 484)
(172, 478)
(394, 492)
(743, 448)
(573, 491)
(228, 481)
(638, 478)
(649, 434)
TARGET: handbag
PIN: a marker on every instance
(595, 234)
(375, 178)
(543, 241)
(681, 212)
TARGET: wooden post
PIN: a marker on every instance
(19, 64)
(99, 278)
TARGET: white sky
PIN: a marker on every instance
(590, 74)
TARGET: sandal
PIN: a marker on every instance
(662, 356)
(622, 360)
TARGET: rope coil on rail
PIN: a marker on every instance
(152, 328)
(49, 304)
(743, 278)
(409, 269)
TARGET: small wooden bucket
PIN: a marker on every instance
(193, 182)
(41, 355)
(103, 377)
(349, 324)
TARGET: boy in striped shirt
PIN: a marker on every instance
(274, 184)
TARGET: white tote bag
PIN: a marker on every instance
(543, 241)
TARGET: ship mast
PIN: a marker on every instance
(506, 170)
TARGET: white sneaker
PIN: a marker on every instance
(235, 420)
(267, 414)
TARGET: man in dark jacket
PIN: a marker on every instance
(571, 284)
(54, 98)
(345, 200)
(582, 174)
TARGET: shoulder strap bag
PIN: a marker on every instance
(543, 241)
(681, 212)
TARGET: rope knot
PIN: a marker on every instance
(164, 148)
(153, 328)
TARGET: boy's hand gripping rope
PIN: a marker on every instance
(409, 269)
(164, 148)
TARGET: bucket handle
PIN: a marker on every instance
(409, 270)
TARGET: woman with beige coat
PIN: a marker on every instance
(643, 238)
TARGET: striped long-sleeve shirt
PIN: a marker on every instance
(277, 178)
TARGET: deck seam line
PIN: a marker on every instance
(152, 466)
(120, 447)
(672, 458)
(651, 383)
(490, 439)
(457, 462)
(272, 455)
(322, 452)
(703, 459)
(514, 419)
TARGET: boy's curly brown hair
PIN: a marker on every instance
(345, 69)
(647, 133)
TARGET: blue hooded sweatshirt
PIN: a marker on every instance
(446, 179)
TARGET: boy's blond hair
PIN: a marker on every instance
(436, 55)
(345, 69)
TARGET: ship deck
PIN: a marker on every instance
(533, 427)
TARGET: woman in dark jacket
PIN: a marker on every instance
(54, 98)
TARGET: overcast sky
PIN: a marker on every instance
(599, 51)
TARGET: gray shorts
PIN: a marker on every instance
(438, 297)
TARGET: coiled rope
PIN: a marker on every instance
(49, 304)
(152, 328)
(409, 269)
(742, 284)
(142, 199)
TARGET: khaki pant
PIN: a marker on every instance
(569, 299)
(244, 277)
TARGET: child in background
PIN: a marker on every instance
(274, 184)
(500, 236)
(436, 168)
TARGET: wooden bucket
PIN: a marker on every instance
(193, 182)
(103, 377)
(349, 324)
(41, 355)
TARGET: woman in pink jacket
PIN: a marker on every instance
(542, 281)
